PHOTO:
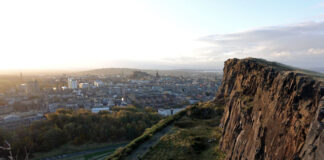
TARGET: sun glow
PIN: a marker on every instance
(65, 34)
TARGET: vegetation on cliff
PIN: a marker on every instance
(195, 136)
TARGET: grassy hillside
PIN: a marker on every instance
(190, 138)
(283, 67)
(191, 134)
(122, 153)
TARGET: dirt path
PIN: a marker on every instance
(139, 151)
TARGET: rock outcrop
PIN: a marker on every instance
(272, 111)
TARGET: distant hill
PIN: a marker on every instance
(109, 71)
(318, 69)
(129, 71)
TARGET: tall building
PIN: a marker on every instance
(98, 83)
(157, 75)
(31, 88)
(72, 84)
(84, 85)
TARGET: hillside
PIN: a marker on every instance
(195, 136)
(263, 110)
(190, 134)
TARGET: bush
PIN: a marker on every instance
(206, 110)
(202, 113)
(184, 123)
(199, 144)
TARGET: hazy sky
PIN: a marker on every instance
(165, 34)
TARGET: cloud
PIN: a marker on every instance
(315, 51)
(301, 45)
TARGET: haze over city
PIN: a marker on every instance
(74, 34)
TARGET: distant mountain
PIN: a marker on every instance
(129, 71)
(109, 71)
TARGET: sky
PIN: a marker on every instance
(152, 34)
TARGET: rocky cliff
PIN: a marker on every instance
(272, 111)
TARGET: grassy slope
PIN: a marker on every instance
(196, 141)
(283, 67)
(121, 153)
(193, 136)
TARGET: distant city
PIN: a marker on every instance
(167, 92)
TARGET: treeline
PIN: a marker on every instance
(79, 127)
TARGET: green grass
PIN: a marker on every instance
(197, 142)
(283, 67)
(148, 133)
(189, 138)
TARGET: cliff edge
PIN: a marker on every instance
(272, 111)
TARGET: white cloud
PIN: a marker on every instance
(315, 51)
(301, 45)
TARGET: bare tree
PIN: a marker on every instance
(9, 149)
(27, 153)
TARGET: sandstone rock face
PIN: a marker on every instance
(271, 111)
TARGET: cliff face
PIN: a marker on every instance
(271, 111)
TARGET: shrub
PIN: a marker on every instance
(184, 123)
(199, 144)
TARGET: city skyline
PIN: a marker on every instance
(77, 35)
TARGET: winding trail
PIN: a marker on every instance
(143, 148)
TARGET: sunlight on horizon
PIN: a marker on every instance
(49, 35)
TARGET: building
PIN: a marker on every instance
(83, 85)
(97, 110)
(154, 99)
(72, 84)
(30, 88)
(11, 117)
(33, 87)
(169, 112)
(98, 83)
(5, 109)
